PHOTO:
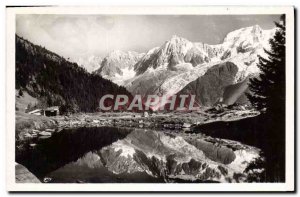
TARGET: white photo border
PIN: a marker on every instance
(11, 13)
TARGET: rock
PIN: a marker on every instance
(146, 115)
(45, 133)
(47, 179)
(186, 125)
(141, 121)
(50, 130)
(59, 130)
(23, 175)
(96, 121)
(32, 145)
(33, 132)
(223, 170)
(186, 129)
(27, 135)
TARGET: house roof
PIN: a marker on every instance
(35, 111)
(53, 108)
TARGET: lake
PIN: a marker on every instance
(130, 155)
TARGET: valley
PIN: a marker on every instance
(215, 143)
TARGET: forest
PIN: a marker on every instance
(56, 81)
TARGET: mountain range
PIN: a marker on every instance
(214, 73)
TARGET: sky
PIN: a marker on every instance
(74, 36)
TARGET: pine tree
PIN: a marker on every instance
(268, 90)
(268, 96)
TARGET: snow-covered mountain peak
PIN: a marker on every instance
(177, 39)
(116, 53)
(246, 31)
(90, 63)
(171, 53)
(252, 35)
(123, 55)
(168, 69)
(118, 65)
(246, 41)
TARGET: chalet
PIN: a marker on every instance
(50, 111)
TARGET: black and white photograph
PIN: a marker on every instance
(188, 98)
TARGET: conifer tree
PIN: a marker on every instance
(268, 90)
(267, 94)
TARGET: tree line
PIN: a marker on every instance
(57, 82)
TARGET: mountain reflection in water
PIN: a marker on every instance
(67, 146)
(111, 154)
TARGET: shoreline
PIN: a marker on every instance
(28, 126)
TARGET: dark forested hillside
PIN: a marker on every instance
(56, 81)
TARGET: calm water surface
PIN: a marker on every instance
(68, 157)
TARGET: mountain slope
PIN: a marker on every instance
(91, 63)
(235, 93)
(56, 81)
(209, 88)
(118, 66)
